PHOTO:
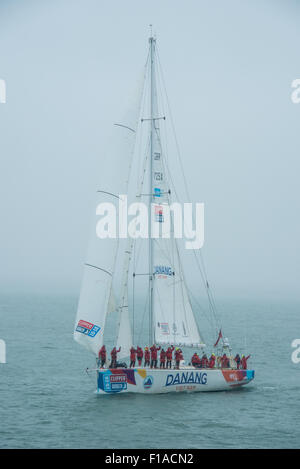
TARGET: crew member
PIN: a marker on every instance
(178, 357)
(154, 351)
(139, 354)
(196, 361)
(204, 361)
(102, 356)
(169, 354)
(244, 362)
(212, 361)
(132, 357)
(162, 358)
(237, 360)
(224, 361)
(113, 355)
(147, 357)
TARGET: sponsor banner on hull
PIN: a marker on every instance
(144, 380)
(188, 377)
(115, 380)
(235, 377)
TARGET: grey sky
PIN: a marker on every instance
(69, 66)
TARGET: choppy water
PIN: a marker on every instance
(47, 400)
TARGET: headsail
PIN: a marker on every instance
(96, 291)
(124, 339)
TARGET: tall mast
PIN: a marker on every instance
(152, 130)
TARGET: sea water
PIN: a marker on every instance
(47, 400)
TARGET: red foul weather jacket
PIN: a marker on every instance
(244, 362)
(211, 362)
(154, 351)
(132, 354)
(102, 353)
(196, 360)
(162, 356)
(169, 353)
(114, 352)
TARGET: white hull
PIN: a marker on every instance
(157, 381)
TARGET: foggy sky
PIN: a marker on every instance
(68, 68)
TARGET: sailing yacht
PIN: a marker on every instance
(170, 315)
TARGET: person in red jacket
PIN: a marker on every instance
(132, 357)
(178, 357)
(162, 358)
(102, 356)
(169, 355)
(212, 361)
(113, 355)
(154, 351)
(204, 361)
(147, 357)
(139, 354)
(196, 361)
(224, 361)
(244, 362)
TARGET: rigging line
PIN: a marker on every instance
(125, 127)
(137, 252)
(183, 174)
(130, 243)
(142, 94)
(164, 163)
(141, 127)
(166, 167)
(205, 283)
(133, 309)
(184, 281)
(99, 268)
(202, 311)
(143, 317)
(109, 193)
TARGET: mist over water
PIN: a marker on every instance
(48, 401)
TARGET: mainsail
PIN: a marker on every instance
(172, 314)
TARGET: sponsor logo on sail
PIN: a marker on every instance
(159, 216)
(87, 328)
(164, 327)
(158, 176)
(163, 270)
(189, 377)
(148, 381)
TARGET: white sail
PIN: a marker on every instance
(173, 318)
(124, 339)
(96, 296)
